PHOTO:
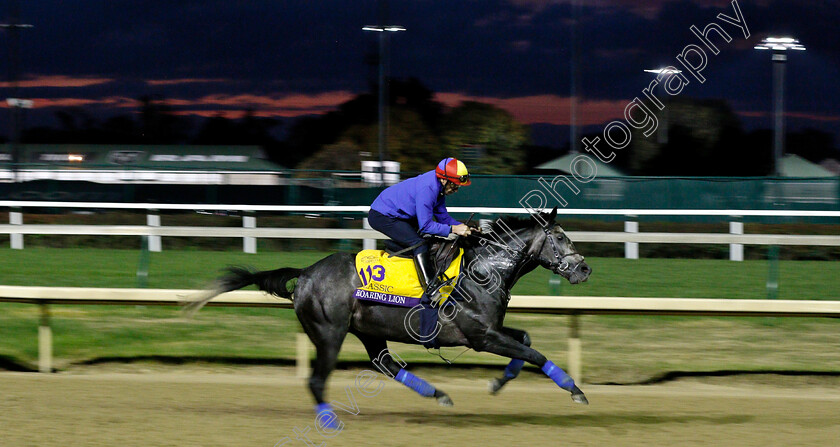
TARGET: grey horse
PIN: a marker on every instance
(493, 261)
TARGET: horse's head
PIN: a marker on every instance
(556, 252)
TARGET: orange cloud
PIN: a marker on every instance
(111, 101)
(219, 104)
(185, 81)
(232, 106)
(237, 114)
(293, 101)
(58, 81)
(547, 109)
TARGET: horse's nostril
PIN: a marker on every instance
(586, 269)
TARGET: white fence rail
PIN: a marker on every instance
(364, 209)
(568, 305)
(249, 232)
(337, 233)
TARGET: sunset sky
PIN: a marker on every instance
(291, 58)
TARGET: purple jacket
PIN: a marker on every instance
(418, 198)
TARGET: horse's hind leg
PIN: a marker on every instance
(327, 339)
(515, 366)
(377, 349)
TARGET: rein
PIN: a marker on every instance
(496, 244)
(559, 264)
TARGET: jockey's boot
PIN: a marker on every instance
(426, 272)
(428, 313)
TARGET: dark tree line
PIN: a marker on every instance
(155, 123)
(704, 137)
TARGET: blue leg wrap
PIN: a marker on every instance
(422, 387)
(513, 368)
(559, 376)
(328, 422)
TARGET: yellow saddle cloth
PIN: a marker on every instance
(393, 280)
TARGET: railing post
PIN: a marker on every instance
(302, 357)
(16, 239)
(631, 249)
(153, 220)
(555, 283)
(249, 244)
(575, 350)
(772, 272)
(143, 263)
(44, 341)
(368, 244)
(736, 251)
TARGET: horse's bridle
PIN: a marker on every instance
(559, 264)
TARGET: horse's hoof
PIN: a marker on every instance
(445, 401)
(494, 386)
(579, 397)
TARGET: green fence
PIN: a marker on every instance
(326, 188)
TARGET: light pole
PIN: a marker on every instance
(14, 102)
(574, 77)
(383, 31)
(779, 45)
(662, 137)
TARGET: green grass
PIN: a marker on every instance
(185, 269)
(695, 278)
(616, 348)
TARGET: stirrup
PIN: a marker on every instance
(433, 290)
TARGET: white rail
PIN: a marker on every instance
(569, 305)
(456, 209)
(337, 233)
(631, 237)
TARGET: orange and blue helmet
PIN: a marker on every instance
(453, 170)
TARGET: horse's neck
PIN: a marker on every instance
(509, 264)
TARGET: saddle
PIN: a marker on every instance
(442, 249)
(377, 269)
(390, 279)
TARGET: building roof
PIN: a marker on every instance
(141, 157)
(564, 164)
(792, 165)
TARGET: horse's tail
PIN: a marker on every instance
(270, 281)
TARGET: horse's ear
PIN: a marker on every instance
(553, 215)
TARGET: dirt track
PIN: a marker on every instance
(209, 408)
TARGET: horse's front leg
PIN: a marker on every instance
(515, 366)
(500, 343)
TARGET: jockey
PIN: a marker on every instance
(417, 206)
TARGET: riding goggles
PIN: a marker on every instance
(459, 180)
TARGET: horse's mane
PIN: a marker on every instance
(501, 226)
(513, 222)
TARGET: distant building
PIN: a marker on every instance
(818, 185)
(564, 164)
(139, 164)
(792, 165)
(601, 190)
